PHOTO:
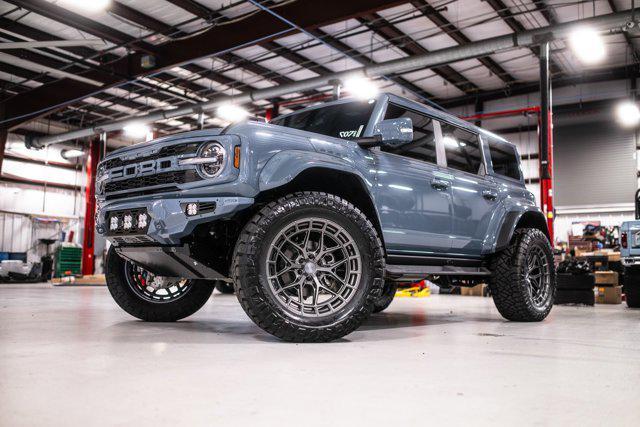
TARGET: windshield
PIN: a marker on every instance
(347, 120)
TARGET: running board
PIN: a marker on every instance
(403, 273)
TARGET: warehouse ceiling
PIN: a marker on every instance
(142, 56)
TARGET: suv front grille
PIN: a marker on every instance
(170, 151)
(165, 178)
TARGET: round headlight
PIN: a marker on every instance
(214, 154)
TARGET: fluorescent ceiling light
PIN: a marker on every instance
(88, 5)
(450, 141)
(71, 154)
(587, 45)
(136, 130)
(628, 114)
(361, 87)
(232, 113)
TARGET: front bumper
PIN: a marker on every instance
(630, 261)
(168, 222)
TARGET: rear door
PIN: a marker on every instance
(474, 194)
(413, 196)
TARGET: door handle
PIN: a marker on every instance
(489, 194)
(439, 184)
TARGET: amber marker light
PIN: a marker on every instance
(236, 157)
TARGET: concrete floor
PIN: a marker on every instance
(70, 356)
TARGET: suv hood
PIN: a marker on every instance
(167, 140)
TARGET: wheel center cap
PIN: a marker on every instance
(310, 267)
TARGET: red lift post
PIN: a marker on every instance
(88, 262)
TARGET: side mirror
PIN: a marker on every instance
(391, 133)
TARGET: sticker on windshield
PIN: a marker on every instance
(351, 133)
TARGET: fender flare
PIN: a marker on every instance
(285, 166)
(533, 216)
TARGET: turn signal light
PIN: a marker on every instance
(236, 157)
(623, 240)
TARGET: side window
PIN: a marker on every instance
(423, 146)
(462, 149)
(504, 159)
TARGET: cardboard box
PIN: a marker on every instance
(609, 295)
(607, 278)
(476, 291)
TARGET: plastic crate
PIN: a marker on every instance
(68, 261)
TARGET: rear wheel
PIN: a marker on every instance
(153, 298)
(385, 300)
(224, 287)
(308, 268)
(523, 277)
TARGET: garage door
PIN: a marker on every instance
(594, 165)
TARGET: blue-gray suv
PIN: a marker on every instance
(313, 219)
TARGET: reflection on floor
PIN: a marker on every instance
(69, 356)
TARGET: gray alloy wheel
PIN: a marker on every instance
(308, 267)
(313, 266)
(523, 283)
(537, 277)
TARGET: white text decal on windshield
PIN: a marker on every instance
(351, 133)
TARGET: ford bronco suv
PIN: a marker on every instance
(630, 256)
(315, 217)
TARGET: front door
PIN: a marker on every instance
(412, 196)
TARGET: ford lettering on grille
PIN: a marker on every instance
(143, 168)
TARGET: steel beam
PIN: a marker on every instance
(213, 42)
(452, 31)
(397, 38)
(403, 65)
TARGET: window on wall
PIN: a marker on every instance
(423, 146)
(462, 149)
(504, 159)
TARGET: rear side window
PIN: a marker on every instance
(423, 146)
(504, 159)
(462, 149)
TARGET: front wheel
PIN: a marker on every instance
(153, 298)
(523, 281)
(308, 268)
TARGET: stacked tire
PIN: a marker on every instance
(575, 289)
(631, 283)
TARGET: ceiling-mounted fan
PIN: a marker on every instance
(52, 43)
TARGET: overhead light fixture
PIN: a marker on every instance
(587, 45)
(361, 88)
(232, 113)
(89, 5)
(136, 130)
(71, 154)
(450, 141)
(628, 114)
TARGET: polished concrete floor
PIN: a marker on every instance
(70, 356)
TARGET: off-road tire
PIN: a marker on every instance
(507, 284)
(249, 261)
(224, 287)
(633, 296)
(133, 304)
(385, 300)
